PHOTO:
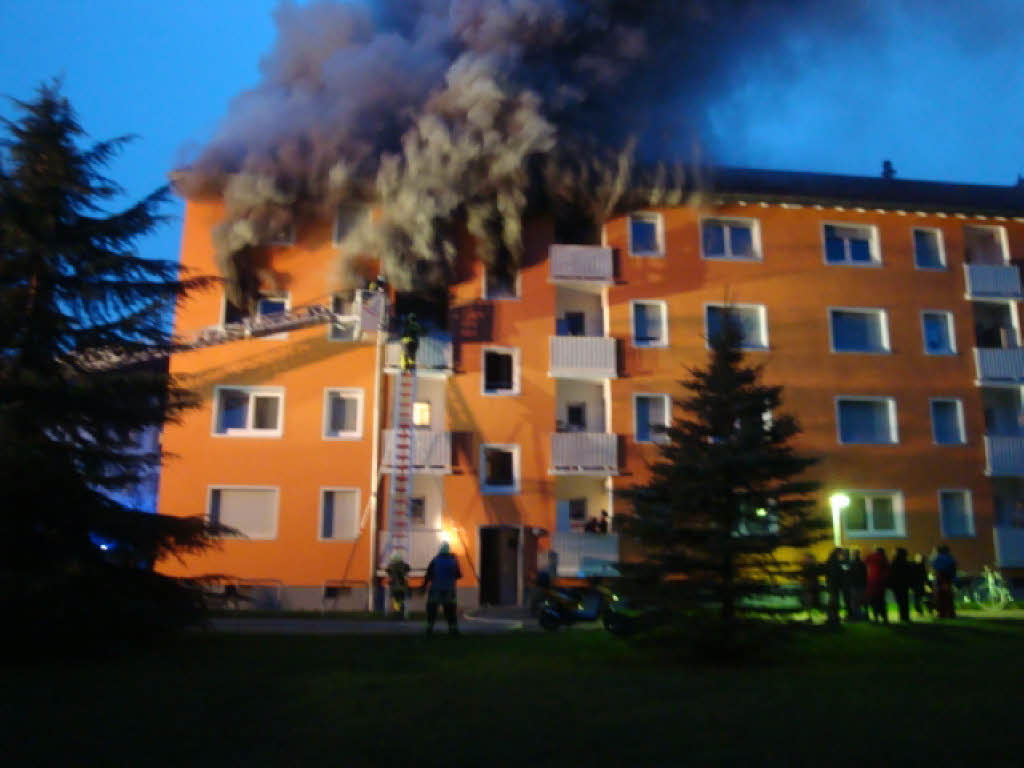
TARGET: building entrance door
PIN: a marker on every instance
(499, 565)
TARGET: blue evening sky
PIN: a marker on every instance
(938, 94)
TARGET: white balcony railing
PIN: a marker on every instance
(1009, 546)
(992, 281)
(1004, 456)
(432, 451)
(580, 262)
(434, 354)
(587, 357)
(584, 452)
(423, 545)
(1000, 364)
(585, 554)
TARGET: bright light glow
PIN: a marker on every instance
(761, 512)
(838, 502)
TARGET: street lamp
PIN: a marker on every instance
(838, 502)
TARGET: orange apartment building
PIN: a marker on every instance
(888, 309)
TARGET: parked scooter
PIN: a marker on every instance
(564, 607)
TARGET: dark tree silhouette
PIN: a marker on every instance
(72, 285)
(728, 491)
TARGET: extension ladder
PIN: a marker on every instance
(400, 498)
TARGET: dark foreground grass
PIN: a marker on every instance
(942, 694)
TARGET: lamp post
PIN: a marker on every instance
(838, 502)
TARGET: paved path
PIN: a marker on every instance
(482, 622)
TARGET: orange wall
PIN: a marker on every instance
(797, 288)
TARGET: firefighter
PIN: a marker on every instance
(410, 341)
(398, 572)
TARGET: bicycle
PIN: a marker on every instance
(989, 591)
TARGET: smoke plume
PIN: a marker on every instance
(460, 115)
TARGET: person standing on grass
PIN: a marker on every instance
(858, 578)
(919, 584)
(834, 578)
(944, 567)
(900, 577)
(877, 565)
(439, 584)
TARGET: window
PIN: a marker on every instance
(499, 468)
(730, 239)
(750, 318)
(650, 327)
(343, 414)
(850, 244)
(985, 245)
(500, 371)
(938, 333)
(346, 220)
(956, 515)
(339, 514)
(343, 329)
(649, 413)
(248, 411)
(867, 420)
(252, 512)
(269, 305)
(418, 511)
(576, 417)
(421, 414)
(645, 235)
(859, 330)
(874, 513)
(948, 422)
(574, 324)
(577, 513)
(928, 250)
(501, 284)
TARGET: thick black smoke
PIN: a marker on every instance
(444, 114)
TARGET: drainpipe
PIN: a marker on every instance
(374, 466)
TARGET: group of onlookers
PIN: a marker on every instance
(858, 586)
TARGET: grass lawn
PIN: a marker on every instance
(947, 694)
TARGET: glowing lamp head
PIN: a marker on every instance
(839, 501)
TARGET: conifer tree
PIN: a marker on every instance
(72, 286)
(728, 491)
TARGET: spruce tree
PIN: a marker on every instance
(728, 491)
(73, 286)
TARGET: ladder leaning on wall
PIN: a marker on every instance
(403, 455)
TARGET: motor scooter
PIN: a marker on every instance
(561, 607)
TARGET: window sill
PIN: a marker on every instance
(755, 259)
(344, 438)
(262, 433)
(499, 490)
(861, 351)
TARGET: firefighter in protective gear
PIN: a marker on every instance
(410, 341)
(398, 573)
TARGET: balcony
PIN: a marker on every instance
(584, 453)
(433, 356)
(999, 365)
(1004, 456)
(580, 263)
(583, 357)
(987, 281)
(432, 451)
(423, 545)
(1009, 546)
(586, 554)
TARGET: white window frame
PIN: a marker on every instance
(878, 311)
(285, 296)
(755, 238)
(899, 515)
(336, 299)
(516, 379)
(959, 405)
(969, 507)
(664, 324)
(659, 224)
(874, 246)
(950, 328)
(228, 487)
(353, 392)
(500, 490)
(656, 438)
(762, 318)
(1000, 230)
(894, 430)
(320, 512)
(248, 430)
(943, 264)
(517, 287)
(418, 407)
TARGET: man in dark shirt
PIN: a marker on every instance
(442, 573)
